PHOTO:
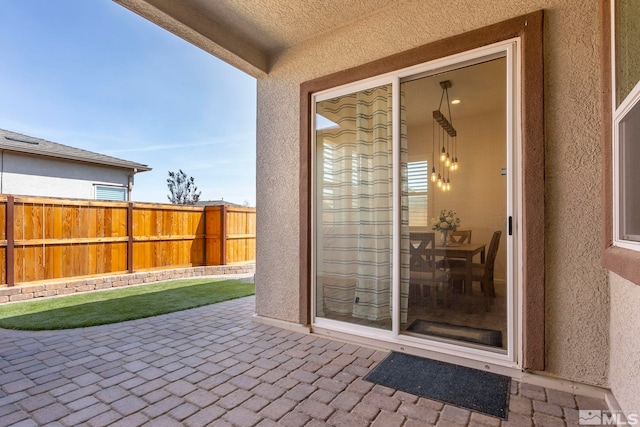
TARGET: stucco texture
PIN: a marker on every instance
(625, 358)
(577, 296)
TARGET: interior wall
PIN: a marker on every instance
(577, 305)
(479, 190)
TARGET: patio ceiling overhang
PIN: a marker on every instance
(250, 34)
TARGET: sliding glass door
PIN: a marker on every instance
(413, 202)
(457, 151)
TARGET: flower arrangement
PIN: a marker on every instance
(446, 221)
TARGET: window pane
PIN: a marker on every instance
(443, 276)
(630, 175)
(111, 193)
(418, 182)
(354, 179)
(627, 35)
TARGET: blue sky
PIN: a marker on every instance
(93, 75)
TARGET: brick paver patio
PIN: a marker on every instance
(213, 366)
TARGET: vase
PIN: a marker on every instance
(444, 237)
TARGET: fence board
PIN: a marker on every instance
(3, 270)
(56, 214)
(3, 218)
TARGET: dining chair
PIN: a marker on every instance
(482, 273)
(424, 272)
(460, 236)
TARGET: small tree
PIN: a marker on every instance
(182, 189)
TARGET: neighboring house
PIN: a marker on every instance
(36, 167)
(346, 91)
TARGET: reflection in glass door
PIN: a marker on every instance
(456, 176)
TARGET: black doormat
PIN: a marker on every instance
(467, 388)
(457, 332)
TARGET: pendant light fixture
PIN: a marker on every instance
(447, 143)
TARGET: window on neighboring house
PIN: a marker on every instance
(109, 192)
(626, 122)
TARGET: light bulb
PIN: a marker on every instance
(439, 181)
(447, 161)
(434, 178)
(443, 155)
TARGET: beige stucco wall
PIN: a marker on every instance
(624, 354)
(624, 324)
(576, 288)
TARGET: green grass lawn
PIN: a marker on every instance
(117, 305)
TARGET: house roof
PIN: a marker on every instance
(19, 143)
(250, 34)
(215, 203)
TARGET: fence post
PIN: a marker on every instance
(130, 237)
(223, 235)
(9, 233)
(205, 239)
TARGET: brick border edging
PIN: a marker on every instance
(41, 290)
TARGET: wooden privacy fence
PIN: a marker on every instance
(47, 238)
